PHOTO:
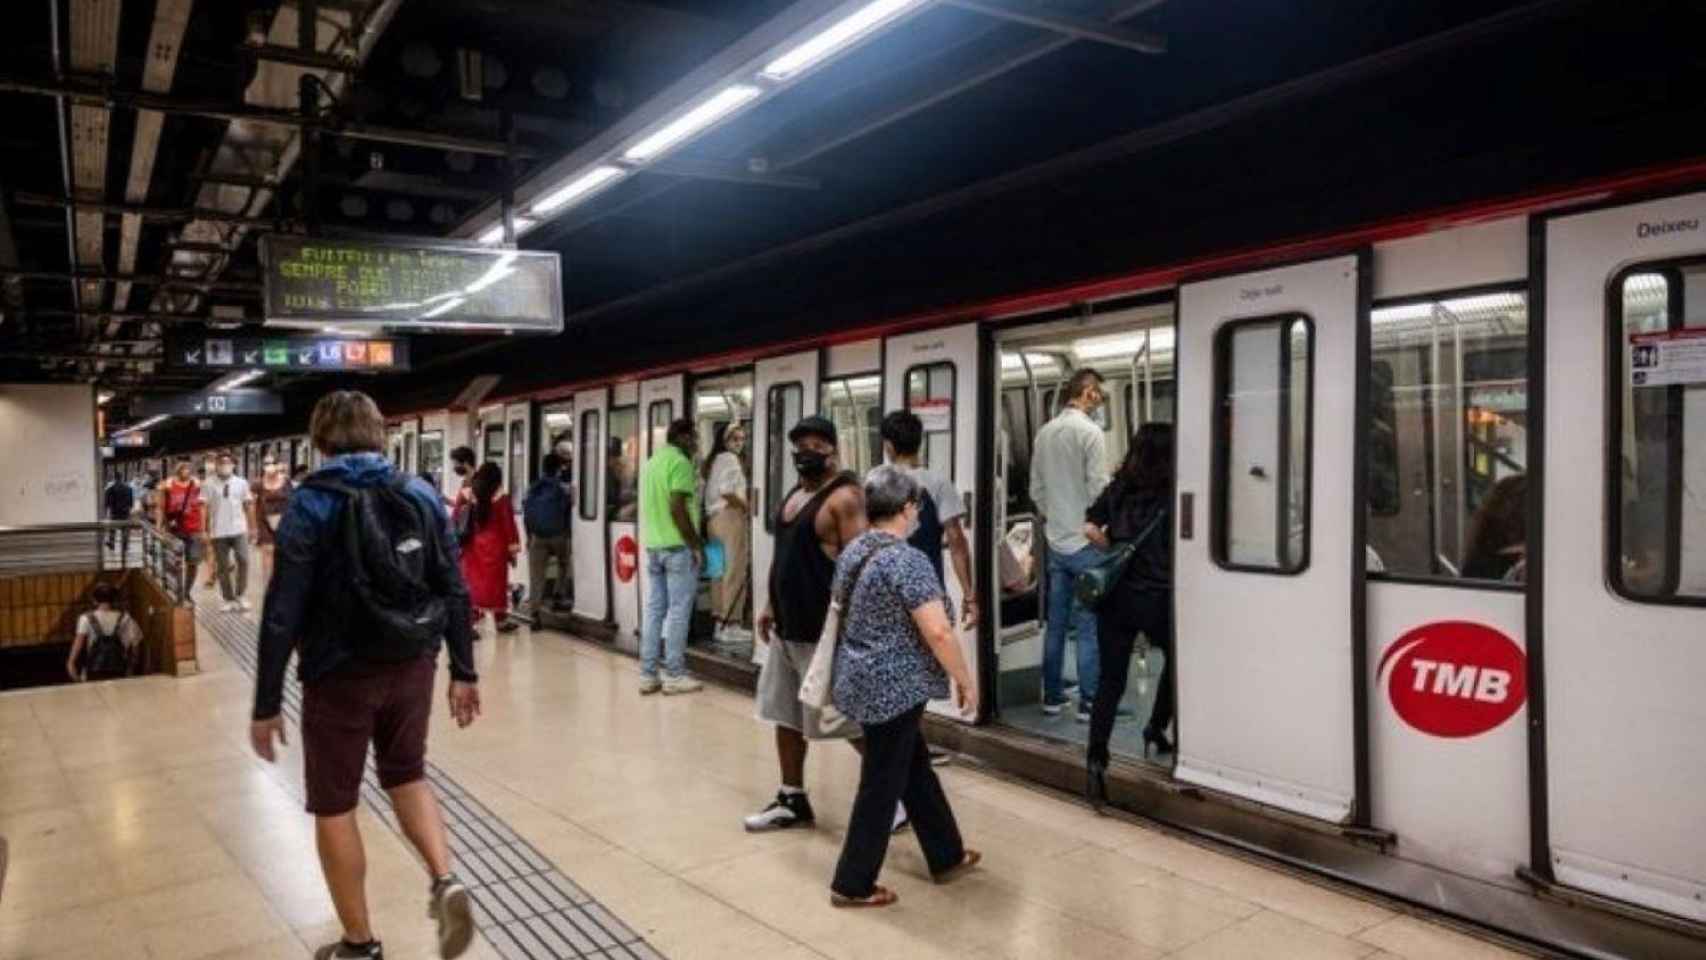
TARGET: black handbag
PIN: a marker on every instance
(1093, 585)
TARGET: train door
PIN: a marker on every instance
(432, 450)
(411, 446)
(1621, 571)
(934, 375)
(394, 445)
(1266, 478)
(623, 455)
(518, 472)
(591, 551)
(661, 401)
(490, 444)
(722, 418)
(786, 389)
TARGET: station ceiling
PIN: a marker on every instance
(969, 149)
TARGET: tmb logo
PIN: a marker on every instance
(1454, 678)
(627, 558)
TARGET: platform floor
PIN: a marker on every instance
(596, 824)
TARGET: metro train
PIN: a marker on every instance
(1440, 554)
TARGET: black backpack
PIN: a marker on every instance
(389, 571)
(545, 509)
(107, 658)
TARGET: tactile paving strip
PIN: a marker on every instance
(523, 905)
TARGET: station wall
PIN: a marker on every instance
(48, 468)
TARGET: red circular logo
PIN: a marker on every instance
(1454, 678)
(627, 558)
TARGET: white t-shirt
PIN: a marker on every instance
(949, 504)
(130, 634)
(727, 476)
(225, 497)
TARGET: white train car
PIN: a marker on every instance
(1440, 554)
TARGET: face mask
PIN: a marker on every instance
(810, 464)
(223, 471)
(461, 471)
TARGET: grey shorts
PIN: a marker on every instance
(785, 665)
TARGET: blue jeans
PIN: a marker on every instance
(672, 582)
(1063, 568)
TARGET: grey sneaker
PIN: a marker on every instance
(450, 907)
(650, 685)
(682, 684)
(345, 951)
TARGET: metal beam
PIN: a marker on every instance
(174, 214)
(152, 280)
(1079, 28)
(729, 173)
(293, 56)
(151, 317)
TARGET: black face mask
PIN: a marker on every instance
(461, 471)
(810, 464)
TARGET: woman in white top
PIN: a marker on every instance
(729, 520)
(93, 656)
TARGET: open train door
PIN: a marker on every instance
(934, 374)
(784, 390)
(591, 552)
(518, 476)
(661, 400)
(1267, 419)
(1617, 567)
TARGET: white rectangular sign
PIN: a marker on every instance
(1668, 359)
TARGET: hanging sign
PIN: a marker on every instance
(312, 282)
(286, 352)
(936, 413)
(1454, 678)
(135, 438)
(207, 403)
(1668, 359)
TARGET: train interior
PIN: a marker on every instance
(722, 416)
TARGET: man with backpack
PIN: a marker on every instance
(365, 589)
(105, 644)
(545, 513)
(179, 511)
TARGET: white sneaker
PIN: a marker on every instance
(244, 606)
(230, 606)
(682, 684)
(901, 820)
(650, 685)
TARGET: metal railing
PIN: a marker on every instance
(101, 546)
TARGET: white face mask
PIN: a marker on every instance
(222, 471)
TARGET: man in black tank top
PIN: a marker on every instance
(822, 514)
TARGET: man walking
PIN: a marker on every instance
(119, 500)
(1068, 469)
(230, 528)
(820, 516)
(545, 512)
(941, 509)
(669, 532)
(366, 650)
(178, 510)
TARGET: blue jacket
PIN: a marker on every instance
(299, 577)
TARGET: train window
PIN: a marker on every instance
(1657, 465)
(854, 405)
(658, 415)
(557, 431)
(931, 393)
(1261, 445)
(587, 479)
(782, 409)
(1448, 442)
(432, 455)
(492, 443)
(622, 466)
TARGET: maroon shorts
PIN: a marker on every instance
(386, 704)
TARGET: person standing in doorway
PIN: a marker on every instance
(492, 545)
(1068, 471)
(728, 518)
(230, 528)
(669, 532)
(179, 510)
(271, 498)
(819, 518)
(545, 511)
(366, 655)
(941, 509)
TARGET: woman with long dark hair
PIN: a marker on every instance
(1136, 508)
(490, 546)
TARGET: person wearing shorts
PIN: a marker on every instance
(348, 701)
(824, 512)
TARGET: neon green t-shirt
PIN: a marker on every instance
(667, 472)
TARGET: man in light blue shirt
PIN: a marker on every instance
(1069, 468)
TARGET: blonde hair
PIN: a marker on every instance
(347, 421)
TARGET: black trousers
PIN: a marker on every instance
(1117, 627)
(896, 768)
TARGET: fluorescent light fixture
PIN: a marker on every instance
(691, 122)
(1123, 344)
(841, 35)
(145, 424)
(443, 308)
(577, 189)
(495, 234)
(102, 398)
(236, 380)
(503, 268)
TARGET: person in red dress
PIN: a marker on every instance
(491, 546)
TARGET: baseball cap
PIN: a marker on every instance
(814, 425)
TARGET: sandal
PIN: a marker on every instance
(971, 859)
(880, 897)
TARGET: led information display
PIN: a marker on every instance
(313, 282)
(206, 403)
(288, 353)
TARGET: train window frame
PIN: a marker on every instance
(953, 413)
(825, 384)
(1519, 288)
(420, 445)
(652, 426)
(1615, 383)
(776, 442)
(589, 430)
(1221, 439)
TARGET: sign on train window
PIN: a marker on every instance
(1263, 395)
(587, 479)
(930, 393)
(1448, 442)
(1657, 449)
(782, 408)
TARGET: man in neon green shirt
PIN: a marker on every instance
(669, 532)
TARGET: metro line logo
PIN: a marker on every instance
(1454, 678)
